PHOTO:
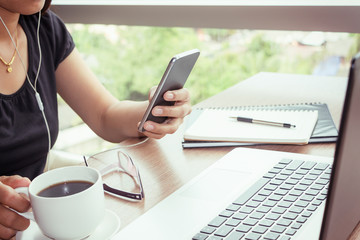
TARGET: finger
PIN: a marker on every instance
(9, 197)
(152, 92)
(150, 127)
(12, 220)
(15, 181)
(176, 111)
(177, 95)
(6, 233)
(153, 135)
(159, 130)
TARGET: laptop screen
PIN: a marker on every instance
(342, 211)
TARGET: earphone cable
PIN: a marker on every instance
(37, 95)
(17, 51)
(39, 47)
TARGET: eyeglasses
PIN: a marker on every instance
(124, 164)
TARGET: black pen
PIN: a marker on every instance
(270, 123)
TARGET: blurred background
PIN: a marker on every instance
(129, 60)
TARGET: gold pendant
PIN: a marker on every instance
(9, 69)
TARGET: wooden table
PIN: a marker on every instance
(165, 166)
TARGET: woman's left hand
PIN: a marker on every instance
(175, 114)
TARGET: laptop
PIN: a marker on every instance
(262, 194)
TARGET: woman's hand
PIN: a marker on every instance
(11, 222)
(175, 114)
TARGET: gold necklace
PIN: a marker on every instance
(8, 64)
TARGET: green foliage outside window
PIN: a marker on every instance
(130, 65)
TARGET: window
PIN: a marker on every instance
(128, 60)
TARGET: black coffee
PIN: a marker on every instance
(65, 189)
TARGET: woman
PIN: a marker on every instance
(24, 138)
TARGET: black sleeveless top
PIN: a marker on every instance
(23, 134)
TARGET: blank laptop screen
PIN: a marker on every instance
(342, 212)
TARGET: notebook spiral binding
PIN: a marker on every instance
(266, 107)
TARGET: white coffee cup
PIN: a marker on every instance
(74, 216)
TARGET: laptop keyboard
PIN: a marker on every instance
(276, 206)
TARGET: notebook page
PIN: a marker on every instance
(216, 125)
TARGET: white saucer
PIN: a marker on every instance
(106, 230)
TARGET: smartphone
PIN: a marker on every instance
(174, 77)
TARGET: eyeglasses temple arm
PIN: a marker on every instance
(117, 192)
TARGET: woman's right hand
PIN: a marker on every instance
(11, 222)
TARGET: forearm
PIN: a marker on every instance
(120, 120)
(109, 118)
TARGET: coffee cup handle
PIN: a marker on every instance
(28, 215)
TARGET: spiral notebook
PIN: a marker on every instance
(324, 129)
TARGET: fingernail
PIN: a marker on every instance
(158, 111)
(149, 127)
(170, 95)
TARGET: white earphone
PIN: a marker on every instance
(37, 95)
